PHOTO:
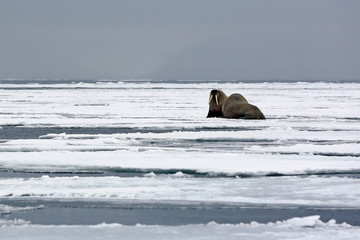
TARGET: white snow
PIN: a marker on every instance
(282, 191)
(201, 162)
(6, 209)
(163, 105)
(296, 228)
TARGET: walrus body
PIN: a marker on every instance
(234, 106)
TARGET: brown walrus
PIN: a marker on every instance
(234, 106)
(216, 101)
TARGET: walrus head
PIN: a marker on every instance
(216, 100)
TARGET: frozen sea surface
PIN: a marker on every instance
(296, 228)
(148, 145)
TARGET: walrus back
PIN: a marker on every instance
(237, 97)
(242, 110)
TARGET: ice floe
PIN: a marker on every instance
(310, 227)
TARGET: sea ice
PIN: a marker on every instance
(297, 228)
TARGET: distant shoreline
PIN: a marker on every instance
(181, 81)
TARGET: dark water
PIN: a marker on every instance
(22, 132)
(132, 172)
(82, 213)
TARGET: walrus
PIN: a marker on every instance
(234, 106)
(216, 101)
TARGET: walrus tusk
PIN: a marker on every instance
(210, 98)
(216, 99)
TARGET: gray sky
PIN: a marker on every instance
(180, 39)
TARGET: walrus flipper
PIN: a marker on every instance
(215, 114)
(242, 110)
(253, 112)
(253, 116)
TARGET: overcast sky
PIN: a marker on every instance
(180, 39)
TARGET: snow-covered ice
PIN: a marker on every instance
(289, 191)
(159, 133)
(296, 228)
